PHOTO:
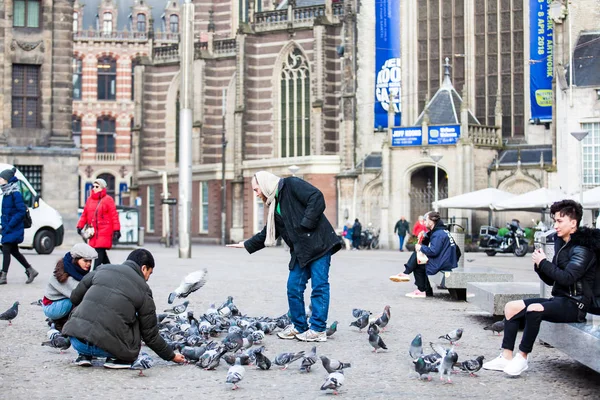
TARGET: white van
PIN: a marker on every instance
(47, 229)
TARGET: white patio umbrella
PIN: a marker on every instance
(483, 199)
(534, 200)
(591, 198)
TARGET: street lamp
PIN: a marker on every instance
(436, 159)
(580, 135)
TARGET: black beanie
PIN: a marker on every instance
(8, 174)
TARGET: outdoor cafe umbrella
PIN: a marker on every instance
(483, 199)
(538, 199)
(591, 198)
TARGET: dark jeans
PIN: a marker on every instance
(356, 242)
(88, 349)
(556, 309)
(102, 257)
(9, 249)
(401, 239)
(421, 279)
(318, 272)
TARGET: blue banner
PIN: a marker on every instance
(387, 62)
(443, 134)
(541, 60)
(409, 136)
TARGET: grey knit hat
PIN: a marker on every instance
(85, 251)
(8, 174)
(101, 182)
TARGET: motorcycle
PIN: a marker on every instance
(369, 238)
(513, 242)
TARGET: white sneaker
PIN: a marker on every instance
(288, 333)
(517, 365)
(497, 364)
(312, 336)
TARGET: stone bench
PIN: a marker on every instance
(580, 341)
(493, 296)
(456, 280)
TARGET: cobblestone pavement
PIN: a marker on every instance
(257, 282)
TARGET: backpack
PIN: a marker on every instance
(27, 222)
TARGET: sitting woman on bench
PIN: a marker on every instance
(571, 275)
(440, 250)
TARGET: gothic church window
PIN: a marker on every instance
(141, 22)
(75, 22)
(105, 135)
(295, 106)
(107, 79)
(107, 23)
(174, 23)
(77, 69)
(26, 14)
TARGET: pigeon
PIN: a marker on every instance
(262, 361)
(361, 322)
(376, 341)
(433, 358)
(416, 347)
(193, 353)
(471, 366)
(233, 342)
(357, 312)
(38, 302)
(285, 359)
(331, 329)
(450, 358)
(453, 336)
(309, 360)
(495, 327)
(373, 329)
(11, 313)
(423, 368)
(256, 337)
(211, 358)
(144, 361)
(242, 359)
(58, 341)
(235, 374)
(334, 381)
(179, 308)
(384, 319)
(189, 284)
(332, 365)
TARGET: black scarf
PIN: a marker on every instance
(73, 269)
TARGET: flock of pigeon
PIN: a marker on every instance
(197, 339)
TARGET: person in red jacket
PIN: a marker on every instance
(419, 227)
(101, 214)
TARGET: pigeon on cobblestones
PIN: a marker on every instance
(332, 365)
(235, 374)
(262, 361)
(11, 313)
(38, 302)
(361, 322)
(179, 308)
(334, 381)
(211, 358)
(375, 340)
(58, 341)
(189, 284)
(233, 342)
(285, 359)
(471, 366)
(424, 368)
(384, 319)
(416, 347)
(193, 353)
(309, 360)
(331, 329)
(144, 361)
(495, 327)
(453, 336)
(373, 329)
(242, 359)
(449, 359)
(357, 312)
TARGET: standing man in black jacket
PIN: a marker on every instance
(571, 275)
(401, 228)
(296, 214)
(114, 311)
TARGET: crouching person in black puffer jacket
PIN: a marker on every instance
(114, 311)
(571, 274)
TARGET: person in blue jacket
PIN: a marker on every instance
(13, 226)
(441, 251)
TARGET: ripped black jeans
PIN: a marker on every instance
(556, 309)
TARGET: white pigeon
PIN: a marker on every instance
(189, 284)
(334, 381)
(235, 374)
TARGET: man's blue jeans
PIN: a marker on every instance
(58, 309)
(88, 349)
(318, 272)
(401, 239)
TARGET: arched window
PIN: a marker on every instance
(75, 22)
(107, 79)
(295, 106)
(105, 135)
(110, 184)
(174, 23)
(107, 23)
(76, 130)
(77, 68)
(141, 22)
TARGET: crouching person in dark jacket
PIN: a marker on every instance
(114, 312)
(571, 274)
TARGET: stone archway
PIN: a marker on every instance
(422, 190)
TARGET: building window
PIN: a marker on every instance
(150, 209)
(203, 207)
(25, 96)
(591, 155)
(76, 129)
(75, 22)
(295, 106)
(26, 14)
(105, 136)
(33, 173)
(134, 63)
(141, 22)
(107, 23)
(77, 69)
(110, 183)
(174, 23)
(107, 79)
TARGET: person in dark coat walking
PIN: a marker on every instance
(296, 214)
(114, 311)
(13, 225)
(356, 231)
(402, 228)
(100, 213)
